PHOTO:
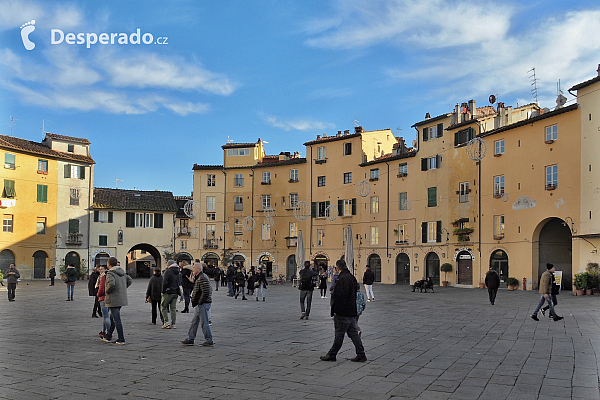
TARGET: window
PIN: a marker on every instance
(402, 201)
(211, 180)
(431, 163)
(74, 171)
(210, 204)
(74, 195)
(374, 235)
(210, 233)
(9, 189)
(551, 177)
(237, 227)
(463, 192)
(403, 169)
(238, 180)
(9, 161)
(293, 229)
(551, 133)
(347, 177)
(463, 136)
(7, 223)
(266, 178)
(103, 216)
(498, 186)
(320, 181)
(42, 166)
(238, 203)
(320, 237)
(432, 197)
(211, 216)
(148, 220)
(498, 226)
(71, 148)
(374, 174)
(130, 220)
(102, 240)
(293, 175)
(293, 200)
(158, 220)
(41, 226)
(321, 153)
(348, 207)
(266, 232)
(347, 149)
(374, 204)
(402, 236)
(431, 232)
(238, 152)
(499, 147)
(42, 193)
(183, 245)
(266, 202)
(318, 209)
(433, 132)
(144, 220)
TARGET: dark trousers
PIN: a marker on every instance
(216, 286)
(343, 326)
(187, 294)
(155, 306)
(12, 287)
(305, 295)
(51, 281)
(97, 308)
(492, 293)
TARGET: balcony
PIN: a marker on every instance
(183, 231)
(291, 241)
(211, 244)
(75, 239)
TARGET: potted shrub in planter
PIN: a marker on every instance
(580, 284)
(445, 268)
(593, 272)
(513, 283)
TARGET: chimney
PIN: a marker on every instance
(318, 137)
(472, 108)
(358, 129)
(324, 135)
(598, 70)
(347, 132)
(427, 116)
(340, 133)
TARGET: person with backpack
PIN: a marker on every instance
(306, 289)
(361, 304)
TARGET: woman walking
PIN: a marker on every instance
(93, 291)
(101, 294)
(251, 280)
(323, 282)
(153, 293)
(260, 280)
(240, 280)
(70, 278)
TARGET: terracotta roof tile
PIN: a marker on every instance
(29, 146)
(68, 138)
(134, 200)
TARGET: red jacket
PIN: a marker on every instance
(101, 294)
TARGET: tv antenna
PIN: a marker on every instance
(117, 182)
(533, 84)
(356, 122)
(229, 140)
(12, 123)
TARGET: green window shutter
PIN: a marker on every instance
(96, 216)
(456, 138)
(9, 188)
(340, 207)
(110, 217)
(438, 232)
(313, 209)
(81, 172)
(73, 226)
(440, 130)
(354, 206)
(42, 193)
(327, 204)
(102, 240)
(471, 133)
(424, 231)
(432, 197)
(438, 161)
(67, 170)
(158, 220)
(423, 164)
(425, 137)
(130, 220)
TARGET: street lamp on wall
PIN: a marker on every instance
(571, 224)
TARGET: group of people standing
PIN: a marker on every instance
(237, 279)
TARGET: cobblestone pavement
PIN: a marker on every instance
(451, 344)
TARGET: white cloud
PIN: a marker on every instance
(187, 108)
(14, 13)
(297, 124)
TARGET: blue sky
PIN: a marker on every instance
(284, 71)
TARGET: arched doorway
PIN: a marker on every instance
(375, 265)
(267, 263)
(432, 267)
(210, 259)
(321, 259)
(72, 258)
(290, 267)
(555, 247)
(7, 257)
(402, 269)
(464, 268)
(100, 259)
(39, 264)
(183, 256)
(499, 263)
(238, 259)
(141, 258)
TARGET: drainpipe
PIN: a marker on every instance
(252, 214)
(387, 215)
(224, 207)
(310, 241)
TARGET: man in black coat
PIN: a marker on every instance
(343, 311)
(93, 291)
(492, 281)
(231, 270)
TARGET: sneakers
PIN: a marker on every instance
(306, 317)
(206, 344)
(244, 298)
(166, 325)
(302, 316)
(187, 342)
(557, 318)
(209, 323)
(543, 311)
(263, 299)
(101, 335)
(106, 339)
(257, 299)
(535, 317)
(172, 326)
(327, 357)
(359, 358)
(119, 342)
(369, 300)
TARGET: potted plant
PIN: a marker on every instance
(580, 283)
(513, 283)
(445, 268)
(593, 272)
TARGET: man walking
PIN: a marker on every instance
(187, 284)
(368, 279)
(344, 313)
(170, 292)
(306, 289)
(117, 282)
(230, 279)
(52, 275)
(545, 291)
(492, 282)
(201, 302)
(12, 276)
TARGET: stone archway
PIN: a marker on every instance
(432, 267)
(374, 262)
(141, 258)
(39, 264)
(555, 247)
(402, 269)
(499, 263)
(7, 257)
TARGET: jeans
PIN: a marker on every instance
(169, 301)
(155, 306)
(217, 286)
(115, 321)
(369, 292)
(260, 288)
(187, 293)
(305, 294)
(492, 293)
(230, 286)
(201, 318)
(342, 326)
(12, 287)
(543, 299)
(105, 317)
(70, 290)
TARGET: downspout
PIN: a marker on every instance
(224, 208)
(310, 203)
(89, 209)
(252, 214)
(387, 216)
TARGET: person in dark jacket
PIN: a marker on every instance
(492, 282)
(344, 313)
(323, 275)
(170, 292)
(117, 282)
(240, 282)
(70, 279)
(231, 271)
(260, 281)
(52, 275)
(153, 293)
(12, 277)
(217, 277)
(186, 273)
(223, 280)
(251, 280)
(306, 289)
(201, 302)
(368, 279)
(93, 291)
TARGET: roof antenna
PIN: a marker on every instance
(12, 123)
(534, 84)
(117, 182)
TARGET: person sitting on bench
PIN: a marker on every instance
(419, 285)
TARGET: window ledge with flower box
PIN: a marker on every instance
(498, 195)
(265, 183)
(373, 179)
(43, 172)
(401, 241)
(549, 141)
(550, 187)
(498, 237)
(498, 155)
(293, 180)
(323, 161)
(75, 238)
(402, 175)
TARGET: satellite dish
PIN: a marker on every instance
(492, 99)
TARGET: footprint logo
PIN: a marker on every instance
(26, 29)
